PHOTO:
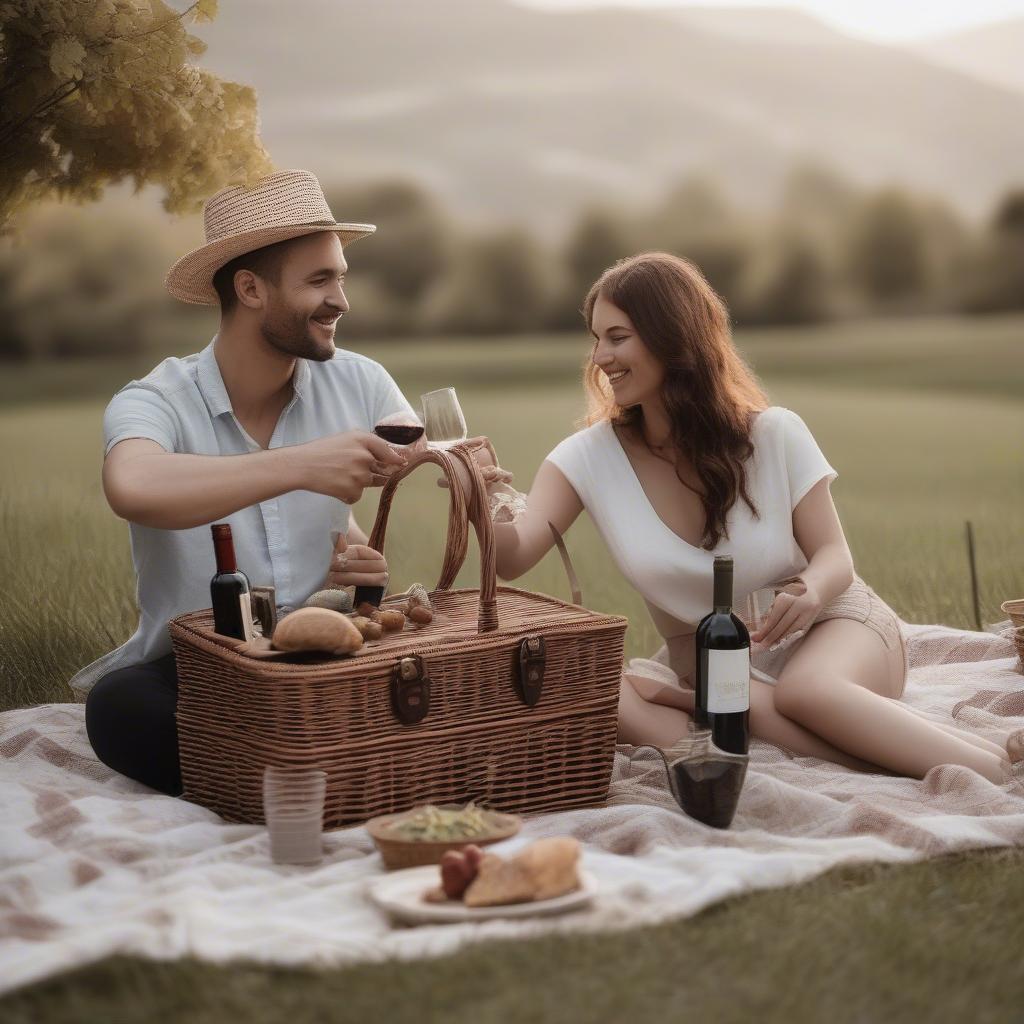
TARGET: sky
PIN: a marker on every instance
(888, 21)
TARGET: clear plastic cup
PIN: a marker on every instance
(293, 804)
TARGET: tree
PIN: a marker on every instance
(697, 220)
(99, 91)
(888, 257)
(412, 249)
(84, 281)
(498, 286)
(1008, 220)
(786, 283)
(598, 239)
(994, 281)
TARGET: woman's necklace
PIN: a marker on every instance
(657, 449)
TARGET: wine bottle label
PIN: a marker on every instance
(245, 600)
(728, 681)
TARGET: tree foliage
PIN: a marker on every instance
(414, 246)
(99, 91)
(785, 282)
(497, 285)
(85, 281)
(887, 254)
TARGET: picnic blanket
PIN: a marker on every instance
(93, 864)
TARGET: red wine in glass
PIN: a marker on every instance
(399, 433)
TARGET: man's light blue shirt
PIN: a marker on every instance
(285, 541)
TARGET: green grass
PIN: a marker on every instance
(933, 942)
(978, 355)
(923, 420)
(914, 463)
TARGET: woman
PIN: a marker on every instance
(683, 458)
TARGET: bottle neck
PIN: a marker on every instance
(224, 549)
(723, 589)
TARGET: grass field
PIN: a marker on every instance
(922, 419)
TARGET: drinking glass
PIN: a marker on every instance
(293, 805)
(400, 428)
(442, 416)
(755, 607)
(705, 780)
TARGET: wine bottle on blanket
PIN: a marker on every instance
(722, 693)
(229, 588)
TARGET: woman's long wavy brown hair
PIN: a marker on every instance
(710, 393)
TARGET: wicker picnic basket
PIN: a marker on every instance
(508, 698)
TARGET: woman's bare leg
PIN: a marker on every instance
(642, 721)
(768, 723)
(970, 737)
(836, 684)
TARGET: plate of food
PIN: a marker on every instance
(543, 879)
(424, 834)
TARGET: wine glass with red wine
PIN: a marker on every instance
(400, 428)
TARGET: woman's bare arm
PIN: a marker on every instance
(522, 544)
(829, 571)
(819, 533)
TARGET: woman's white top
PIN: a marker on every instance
(674, 577)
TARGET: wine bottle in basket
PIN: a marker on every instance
(229, 588)
(722, 697)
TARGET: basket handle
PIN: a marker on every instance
(460, 514)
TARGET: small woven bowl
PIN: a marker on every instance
(413, 853)
(1015, 609)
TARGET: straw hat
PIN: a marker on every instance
(238, 220)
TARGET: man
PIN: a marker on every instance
(268, 429)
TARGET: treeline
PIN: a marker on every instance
(828, 250)
(82, 282)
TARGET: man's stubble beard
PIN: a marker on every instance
(289, 332)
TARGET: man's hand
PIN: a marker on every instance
(355, 566)
(344, 465)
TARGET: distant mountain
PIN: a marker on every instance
(519, 113)
(994, 53)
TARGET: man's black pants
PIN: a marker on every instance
(130, 719)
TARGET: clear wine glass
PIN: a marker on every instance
(755, 608)
(443, 418)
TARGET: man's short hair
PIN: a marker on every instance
(265, 263)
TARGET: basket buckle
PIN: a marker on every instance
(532, 658)
(410, 690)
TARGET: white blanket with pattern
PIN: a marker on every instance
(92, 864)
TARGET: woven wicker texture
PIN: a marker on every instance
(479, 741)
(238, 220)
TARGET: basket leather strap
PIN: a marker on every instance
(574, 582)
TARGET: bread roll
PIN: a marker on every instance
(317, 629)
(336, 600)
(552, 866)
(368, 629)
(545, 869)
(391, 619)
(499, 882)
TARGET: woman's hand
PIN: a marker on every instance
(793, 610)
(487, 459)
(355, 565)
